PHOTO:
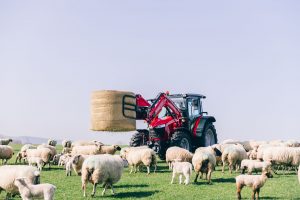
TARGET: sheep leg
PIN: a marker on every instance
(173, 176)
(223, 167)
(187, 179)
(112, 190)
(253, 194)
(155, 166)
(209, 176)
(148, 170)
(94, 190)
(131, 169)
(169, 163)
(103, 192)
(197, 174)
(257, 193)
(180, 179)
(239, 188)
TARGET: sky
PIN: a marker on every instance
(243, 55)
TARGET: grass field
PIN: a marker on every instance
(157, 186)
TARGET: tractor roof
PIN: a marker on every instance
(188, 95)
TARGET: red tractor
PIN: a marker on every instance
(173, 120)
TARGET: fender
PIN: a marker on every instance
(201, 126)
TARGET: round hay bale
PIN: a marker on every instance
(107, 111)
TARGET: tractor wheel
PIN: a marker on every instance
(181, 139)
(209, 135)
(162, 152)
(138, 139)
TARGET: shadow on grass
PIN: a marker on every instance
(269, 197)
(224, 180)
(129, 186)
(139, 194)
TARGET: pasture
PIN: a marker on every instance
(157, 186)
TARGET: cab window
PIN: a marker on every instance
(193, 107)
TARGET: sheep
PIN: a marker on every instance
(254, 181)
(252, 154)
(56, 158)
(66, 143)
(98, 169)
(87, 150)
(204, 161)
(136, 157)
(52, 142)
(44, 153)
(182, 168)
(64, 159)
(29, 191)
(178, 153)
(77, 162)
(36, 160)
(122, 151)
(85, 143)
(286, 156)
(69, 167)
(21, 153)
(9, 173)
(66, 150)
(52, 149)
(110, 149)
(234, 156)
(6, 153)
(5, 141)
(251, 165)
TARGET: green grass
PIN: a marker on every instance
(157, 186)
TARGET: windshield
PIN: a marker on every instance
(179, 102)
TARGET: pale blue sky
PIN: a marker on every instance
(243, 55)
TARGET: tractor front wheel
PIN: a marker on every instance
(138, 139)
(181, 139)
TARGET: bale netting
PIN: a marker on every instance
(107, 111)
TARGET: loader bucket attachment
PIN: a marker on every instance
(129, 106)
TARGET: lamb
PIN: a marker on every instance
(69, 167)
(6, 153)
(43, 153)
(52, 142)
(251, 165)
(56, 158)
(98, 169)
(254, 181)
(234, 156)
(86, 143)
(66, 143)
(136, 157)
(21, 153)
(182, 168)
(204, 161)
(9, 173)
(110, 149)
(64, 159)
(66, 150)
(77, 162)
(29, 191)
(36, 160)
(5, 141)
(177, 153)
(87, 150)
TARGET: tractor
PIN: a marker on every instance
(173, 120)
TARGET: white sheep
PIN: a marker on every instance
(52, 148)
(86, 143)
(69, 167)
(136, 157)
(87, 150)
(64, 159)
(178, 153)
(21, 153)
(110, 149)
(122, 151)
(44, 153)
(254, 181)
(98, 169)
(36, 160)
(29, 191)
(5, 141)
(256, 165)
(77, 162)
(66, 143)
(6, 153)
(66, 150)
(299, 173)
(233, 155)
(52, 142)
(182, 168)
(204, 161)
(9, 173)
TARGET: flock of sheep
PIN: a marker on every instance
(96, 163)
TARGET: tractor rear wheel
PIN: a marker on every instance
(181, 139)
(209, 135)
(138, 139)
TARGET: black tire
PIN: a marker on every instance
(162, 152)
(209, 135)
(181, 139)
(138, 139)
